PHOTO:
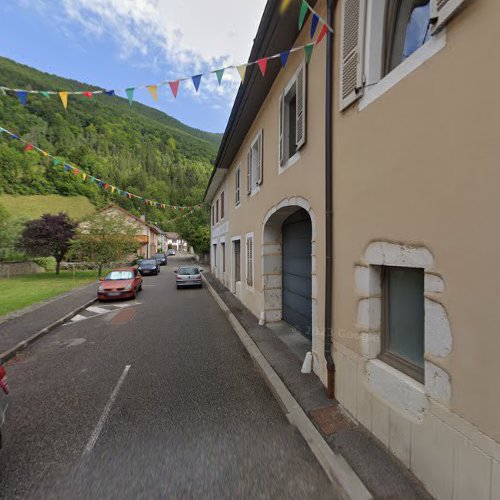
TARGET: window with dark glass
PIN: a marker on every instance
(407, 27)
(403, 320)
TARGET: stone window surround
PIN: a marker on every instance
(398, 389)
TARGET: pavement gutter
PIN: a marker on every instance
(340, 473)
(10, 353)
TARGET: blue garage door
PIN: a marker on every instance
(296, 243)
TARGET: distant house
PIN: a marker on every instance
(147, 234)
(176, 241)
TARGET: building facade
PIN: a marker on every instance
(415, 203)
(173, 240)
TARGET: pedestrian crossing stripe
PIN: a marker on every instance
(94, 311)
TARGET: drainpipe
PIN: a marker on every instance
(330, 365)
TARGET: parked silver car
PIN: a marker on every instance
(4, 399)
(188, 276)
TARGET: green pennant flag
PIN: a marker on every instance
(2, 91)
(303, 11)
(308, 49)
(56, 162)
(46, 94)
(220, 74)
(130, 94)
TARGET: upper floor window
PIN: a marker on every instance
(217, 211)
(213, 215)
(255, 164)
(378, 35)
(292, 115)
(222, 205)
(237, 187)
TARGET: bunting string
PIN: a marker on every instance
(241, 69)
(84, 176)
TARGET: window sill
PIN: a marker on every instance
(254, 191)
(428, 50)
(291, 161)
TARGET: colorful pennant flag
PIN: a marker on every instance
(113, 189)
(84, 176)
(22, 96)
(153, 90)
(284, 5)
(284, 57)
(302, 15)
(28, 147)
(109, 92)
(174, 87)
(308, 49)
(67, 167)
(56, 162)
(88, 94)
(45, 153)
(220, 74)
(242, 69)
(45, 94)
(75, 171)
(262, 65)
(130, 94)
(196, 81)
(322, 33)
(314, 24)
(64, 99)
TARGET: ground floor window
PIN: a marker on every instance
(214, 254)
(237, 260)
(223, 256)
(250, 260)
(403, 320)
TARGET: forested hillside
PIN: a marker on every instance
(136, 148)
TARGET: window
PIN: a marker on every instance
(223, 256)
(403, 320)
(238, 185)
(292, 116)
(213, 215)
(407, 28)
(250, 260)
(217, 211)
(214, 246)
(254, 164)
(237, 260)
(222, 205)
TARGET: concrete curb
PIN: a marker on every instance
(6, 355)
(340, 473)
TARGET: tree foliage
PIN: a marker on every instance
(48, 236)
(105, 239)
(136, 148)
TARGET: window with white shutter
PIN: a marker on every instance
(352, 40)
(260, 158)
(238, 184)
(293, 115)
(249, 241)
(443, 10)
(249, 171)
(255, 164)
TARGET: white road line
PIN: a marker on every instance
(78, 317)
(98, 310)
(100, 424)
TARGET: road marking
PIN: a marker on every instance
(98, 310)
(100, 424)
(94, 311)
(78, 317)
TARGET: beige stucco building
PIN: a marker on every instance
(415, 202)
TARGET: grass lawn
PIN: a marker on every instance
(21, 291)
(33, 206)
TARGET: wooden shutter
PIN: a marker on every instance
(260, 158)
(249, 171)
(282, 121)
(443, 10)
(300, 117)
(352, 39)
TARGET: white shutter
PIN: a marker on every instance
(443, 10)
(249, 261)
(237, 190)
(351, 54)
(300, 117)
(249, 172)
(260, 158)
(282, 121)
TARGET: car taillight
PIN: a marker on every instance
(3, 380)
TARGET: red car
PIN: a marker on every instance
(4, 400)
(120, 284)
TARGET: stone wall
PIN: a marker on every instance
(17, 268)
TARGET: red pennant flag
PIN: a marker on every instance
(322, 33)
(75, 171)
(106, 186)
(174, 86)
(88, 94)
(28, 147)
(262, 65)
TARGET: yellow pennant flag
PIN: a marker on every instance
(153, 89)
(64, 98)
(45, 153)
(284, 5)
(242, 71)
(84, 176)
(113, 189)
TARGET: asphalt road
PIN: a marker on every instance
(154, 399)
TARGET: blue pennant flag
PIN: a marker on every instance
(67, 167)
(109, 92)
(22, 96)
(314, 24)
(100, 184)
(196, 81)
(284, 57)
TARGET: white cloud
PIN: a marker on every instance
(172, 37)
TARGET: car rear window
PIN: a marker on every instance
(119, 275)
(161, 255)
(188, 270)
(149, 261)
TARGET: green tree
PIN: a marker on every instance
(104, 239)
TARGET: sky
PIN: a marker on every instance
(116, 44)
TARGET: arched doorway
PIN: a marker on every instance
(288, 263)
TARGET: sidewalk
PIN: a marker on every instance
(382, 475)
(19, 331)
